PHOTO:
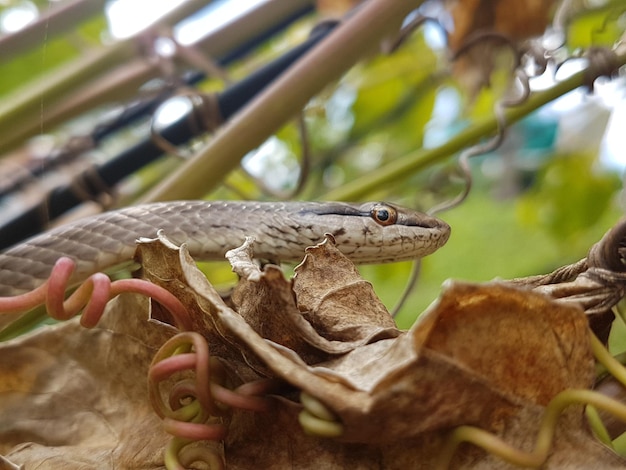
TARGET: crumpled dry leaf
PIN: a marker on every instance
(517, 20)
(487, 355)
(327, 306)
(337, 301)
(74, 398)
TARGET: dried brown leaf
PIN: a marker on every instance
(337, 301)
(516, 20)
(512, 21)
(537, 347)
(489, 355)
(75, 398)
(486, 355)
(266, 301)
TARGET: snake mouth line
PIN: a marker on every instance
(424, 221)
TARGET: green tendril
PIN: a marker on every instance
(496, 446)
(604, 357)
(597, 426)
(317, 420)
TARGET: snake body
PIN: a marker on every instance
(366, 233)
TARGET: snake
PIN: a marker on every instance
(372, 232)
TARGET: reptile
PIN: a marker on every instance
(374, 232)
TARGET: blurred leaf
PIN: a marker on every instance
(515, 21)
(570, 194)
(51, 54)
(393, 86)
(596, 28)
(76, 398)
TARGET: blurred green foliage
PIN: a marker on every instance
(570, 194)
(556, 207)
(600, 27)
(53, 53)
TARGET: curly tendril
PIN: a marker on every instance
(91, 296)
(194, 409)
(496, 446)
(316, 419)
(537, 457)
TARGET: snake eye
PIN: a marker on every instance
(384, 215)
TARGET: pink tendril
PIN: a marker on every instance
(194, 408)
(91, 296)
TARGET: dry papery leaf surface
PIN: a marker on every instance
(486, 355)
